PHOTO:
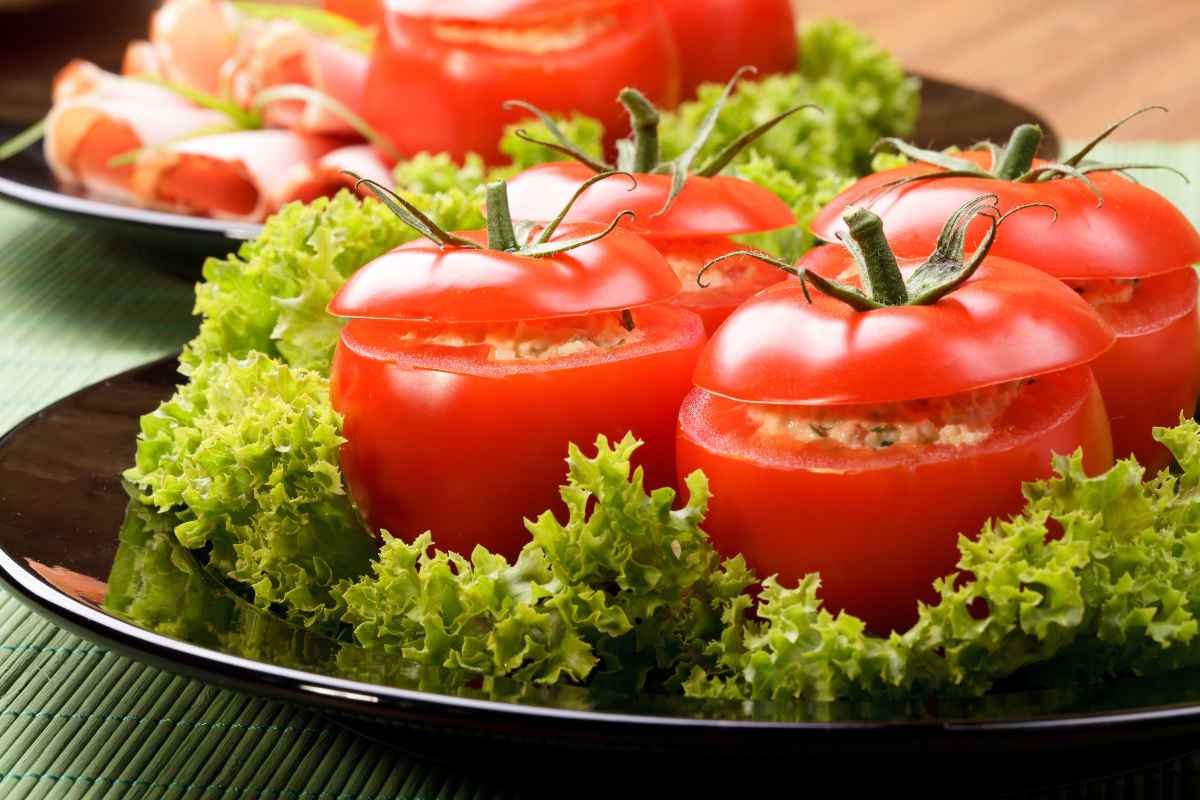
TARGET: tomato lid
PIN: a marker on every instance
(719, 205)
(1006, 322)
(422, 281)
(1135, 233)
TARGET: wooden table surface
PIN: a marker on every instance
(1081, 63)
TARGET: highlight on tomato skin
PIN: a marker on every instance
(1123, 247)
(855, 428)
(441, 72)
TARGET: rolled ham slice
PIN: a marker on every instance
(361, 159)
(282, 52)
(194, 39)
(242, 176)
(97, 116)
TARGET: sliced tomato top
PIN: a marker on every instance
(510, 11)
(1007, 322)
(421, 281)
(721, 205)
(1136, 233)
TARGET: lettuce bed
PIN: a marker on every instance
(242, 464)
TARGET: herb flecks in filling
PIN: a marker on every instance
(959, 420)
(1113, 291)
(539, 340)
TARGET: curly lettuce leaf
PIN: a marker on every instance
(429, 173)
(245, 458)
(271, 296)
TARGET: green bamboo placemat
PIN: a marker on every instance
(77, 305)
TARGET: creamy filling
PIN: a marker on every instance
(534, 39)
(958, 420)
(539, 340)
(1113, 291)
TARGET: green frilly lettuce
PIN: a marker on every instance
(245, 459)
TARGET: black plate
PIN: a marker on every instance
(950, 115)
(62, 503)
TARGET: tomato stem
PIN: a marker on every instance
(1018, 155)
(500, 232)
(881, 278)
(644, 119)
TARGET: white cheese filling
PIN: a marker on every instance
(959, 420)
(1105, 292)
(540, 340)
(533, 39)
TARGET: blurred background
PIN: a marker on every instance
(1081, 63)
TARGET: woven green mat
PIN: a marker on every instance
(77, 305)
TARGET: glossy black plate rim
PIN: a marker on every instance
(99, 210)
(420, 710)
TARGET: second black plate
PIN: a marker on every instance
(950, 115)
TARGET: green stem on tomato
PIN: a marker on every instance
(644, 119)
(1018, 154)
(881, 277)
(500, 232)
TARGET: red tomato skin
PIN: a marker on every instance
(468, 456)
(1150, 377)
(717, 37)
(1136, 233)
(364, 12)
(879, 535)
(428, 94)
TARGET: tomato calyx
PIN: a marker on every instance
(883, 283)
(1015, 160)
(521, 238)
(641, 152)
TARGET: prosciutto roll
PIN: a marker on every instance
(242, 176)
(98, 116)
(282, 52)
(193, 39)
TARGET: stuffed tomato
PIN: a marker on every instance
(759, 33)
(442, 71)
(855, 429)
(688, 213)
(469, 363)
(1124, 248)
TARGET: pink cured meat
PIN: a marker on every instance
(242, 176)
(361, 159)
(194, 39)
(281, 52)
(97, 116)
